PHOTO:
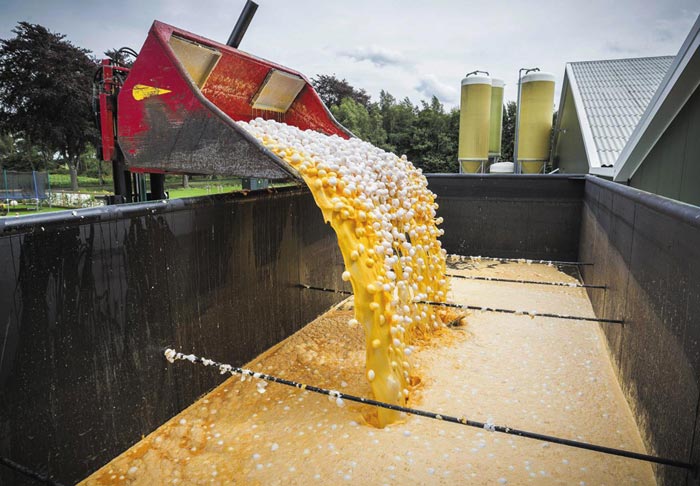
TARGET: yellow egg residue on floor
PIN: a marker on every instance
(543, 375)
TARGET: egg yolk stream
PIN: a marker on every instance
(384, 217)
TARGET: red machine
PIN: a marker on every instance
(175, 109)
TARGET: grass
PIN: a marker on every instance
(197, 186)
(27, 209)
(90, 185)
(178, 193)
(212, 187)
(62, 181)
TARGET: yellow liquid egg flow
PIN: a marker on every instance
(384, 217)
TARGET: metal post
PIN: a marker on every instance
(157, 186)
(122, 188)
(138, 189)
(142, 188)
(48, 182)
(128, 189)
(136, 186)
(242, 24)
(7, 193)
(36, 189)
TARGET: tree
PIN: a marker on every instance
(399, 123)
(364, 123)
(124, 56)
(333, 90)
(551, 136)
(508, 136)
(45, 93)
(426, 134)
(18, 154)
(434, 146)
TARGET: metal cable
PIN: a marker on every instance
(324, 289)
(533, 282)
(518, 312)
(518, 260)
(532, 314)
(172, 356)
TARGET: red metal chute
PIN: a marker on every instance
(178, 107)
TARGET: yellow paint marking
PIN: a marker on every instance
(141, 91)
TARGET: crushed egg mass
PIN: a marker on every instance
(385, 220)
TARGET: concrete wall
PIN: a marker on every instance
(646, 249)
(510, 216)
(89, 300)
(672, 167)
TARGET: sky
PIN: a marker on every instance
(408, 48)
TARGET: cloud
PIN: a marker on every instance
(385, 54)
(378, 56)
(430, 86)
(617, 47)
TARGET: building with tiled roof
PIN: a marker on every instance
(601, 104)
(662, 154)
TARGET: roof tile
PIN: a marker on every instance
(615, 94)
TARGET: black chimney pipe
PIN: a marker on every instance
(242, 24)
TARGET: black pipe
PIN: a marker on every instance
(477, 72)
(242, 24)
(24, 470)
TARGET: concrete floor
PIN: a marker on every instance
(540, 374)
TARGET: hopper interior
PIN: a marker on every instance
(179, 104)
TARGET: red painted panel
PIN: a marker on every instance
(231, 87)
(156, 69)
(107, 112)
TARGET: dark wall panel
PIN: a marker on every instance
(672, 167)
(510, 216)
(646, 249)
(89, 301)
(690, 178)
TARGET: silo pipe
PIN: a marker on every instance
(242, 24)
